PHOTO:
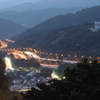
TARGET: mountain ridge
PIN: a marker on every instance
(45, 36)
(32, 18)
(9, 28)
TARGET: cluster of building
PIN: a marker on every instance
(26, 82)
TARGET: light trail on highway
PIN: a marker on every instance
(29, 53)
(8, 63)
(3, 44)
(9, 40)
(18, 54)
(49, 65)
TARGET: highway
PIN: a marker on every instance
(29, 53)
(49, 66)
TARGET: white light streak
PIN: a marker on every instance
(8, 63)
(31, 54)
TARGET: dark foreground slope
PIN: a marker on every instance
(9, 28)
(82, 82)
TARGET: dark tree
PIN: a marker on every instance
(4, 80)
(46, 72)
(81, 83)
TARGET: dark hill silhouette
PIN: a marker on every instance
(44, 4)
(33, 17)
(9, 28)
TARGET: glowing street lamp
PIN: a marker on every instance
(62, 55)
(50, 53)
(56, 54)
(90, 62)
(82, 56)
(90, 57)
(97, 57)
(75, 56)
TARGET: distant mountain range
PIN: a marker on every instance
(32, 18)
(64, 33)
(11, 3)
(9, 28)
(44, 4)
(30, 6)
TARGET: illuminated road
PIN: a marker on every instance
(70, 61)
(3, 44)
(24, 90)
(49, 66)
(18, 54)
(29, 53)
(8, 63)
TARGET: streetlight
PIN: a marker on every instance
(68, 55)
(82, 56)
(75, 56)
(90, 57)
(50, 53)
(56, 54)
(62, 55)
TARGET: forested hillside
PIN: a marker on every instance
(64, 34)
(69, 40)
